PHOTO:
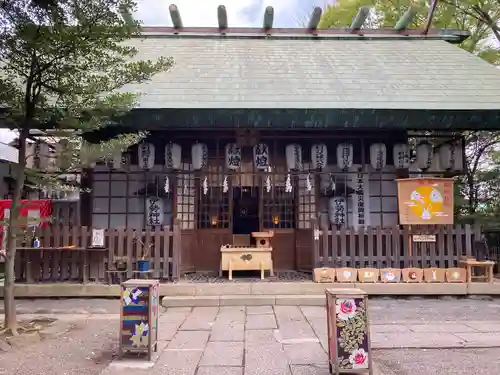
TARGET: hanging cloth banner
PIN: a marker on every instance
(36, 213)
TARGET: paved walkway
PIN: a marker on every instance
(446, 336)
(283, 340)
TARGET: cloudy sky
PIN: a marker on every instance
(287, 13)
(244, 13)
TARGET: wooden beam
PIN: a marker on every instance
(175, 16)
(127, 16)
(315, 18)
(360, 18)
(406, 19)
(222, 16)
(268, 18)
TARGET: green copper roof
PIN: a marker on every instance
(333, 73)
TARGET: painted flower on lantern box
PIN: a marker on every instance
(352, 334)
(345, 308)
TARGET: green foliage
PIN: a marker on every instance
(65, 65)
(480, 17)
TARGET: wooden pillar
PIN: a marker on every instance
(86, 198)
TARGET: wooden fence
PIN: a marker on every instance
(82, 263)
(393, 247)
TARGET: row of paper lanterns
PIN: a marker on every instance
(447, 156)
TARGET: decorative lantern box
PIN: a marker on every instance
(349, 349)
(139, 317)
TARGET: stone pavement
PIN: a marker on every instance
(283, 340)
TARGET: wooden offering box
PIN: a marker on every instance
(349, 349)
(245, 258)
(263, 239)
(139, 317)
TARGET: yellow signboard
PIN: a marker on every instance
(425, 201)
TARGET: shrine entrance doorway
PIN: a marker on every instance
(246, 218)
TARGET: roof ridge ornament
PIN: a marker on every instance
(175, 16)
(222, 17)
(268, 18)
(267, 30)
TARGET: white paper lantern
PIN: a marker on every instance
(378, 155)
(293, 156)
(344, 155)
(154, 211)
(414, 170)
(261, 156)
(115, 161)
(337, 210)
(435, 164)
(199, 155)
(446, 155)
(425, 155)
(401, 156)
(458, 163)
(146, 155)
(319, 156)
(233, 156)
(173, 156)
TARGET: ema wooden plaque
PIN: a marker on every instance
(324, 275)
(390, 275)
(346, 275)
(368, 275)
(434, 275)
(456, 275)
(412, 275)
(425, 201)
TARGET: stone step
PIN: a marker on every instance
(244, 300)
(310, 288)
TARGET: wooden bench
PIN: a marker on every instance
(469, 265)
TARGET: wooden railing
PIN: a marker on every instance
(84, 264)
(393, 247)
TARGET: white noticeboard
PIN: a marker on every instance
(97, 237)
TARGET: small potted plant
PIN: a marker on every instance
(143, 264)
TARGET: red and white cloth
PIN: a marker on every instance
(31, 209)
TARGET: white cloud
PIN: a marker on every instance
(240, 13)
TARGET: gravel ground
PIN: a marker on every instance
(85, 350)
(382, 310)
(438, 362)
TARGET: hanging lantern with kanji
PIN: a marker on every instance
(293, 156)
(115, 160)
(233, 156)
(173, 156)
(425, 154)
(378, 155)
(319, 156)
(344, 155)
(261, 156)
(146, 155)
(199, 155)
(401, 156)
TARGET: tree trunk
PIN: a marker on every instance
(8, 290)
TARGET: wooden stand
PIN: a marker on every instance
(470, 264)
(348, 332)
(139, 317)
(245, 258)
